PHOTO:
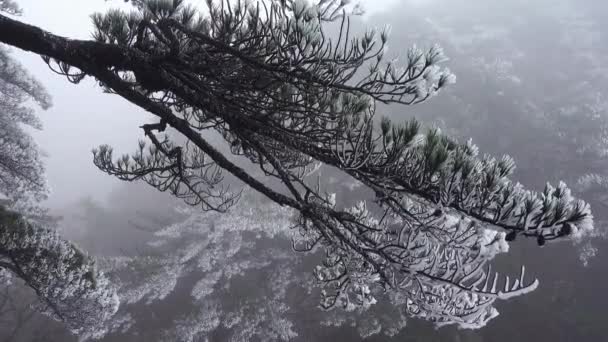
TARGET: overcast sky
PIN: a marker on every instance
(83, 116)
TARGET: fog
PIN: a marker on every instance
(532, 82)
(82, 117)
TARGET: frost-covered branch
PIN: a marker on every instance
(66, 281)
(21, 170)
(283, 93)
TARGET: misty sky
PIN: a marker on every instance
(82, 116)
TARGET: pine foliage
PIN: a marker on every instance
(284, 94)
(22, 178)
(66, 281)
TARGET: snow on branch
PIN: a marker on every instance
(66, 281)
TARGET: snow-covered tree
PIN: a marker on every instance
(19, 322)
(216, 258)
(284, 94)
(65, 280)
(22, 178)
(68, 285)
(212, 253)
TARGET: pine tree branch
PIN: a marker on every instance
(74, 52)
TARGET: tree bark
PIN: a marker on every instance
(78, 53)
